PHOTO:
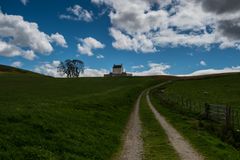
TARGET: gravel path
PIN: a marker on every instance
(183, 148)
(133, 144)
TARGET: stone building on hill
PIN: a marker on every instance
(117, 71)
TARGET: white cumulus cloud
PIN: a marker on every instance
(214, 71)
(22, 38)
(146, 25)
(59, 40)
(77, 13)
(86, 46)
(154, 69)
(203, 63)
(49, 69)
(24, 2)
(138, 67)
(17, 64)
(90, 72)
(100, 56)
(138, 43)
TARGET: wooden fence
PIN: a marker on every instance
(220, 114)
(224, 115)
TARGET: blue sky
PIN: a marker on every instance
(155, 37)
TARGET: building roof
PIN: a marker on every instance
(117, 66)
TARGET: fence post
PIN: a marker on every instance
(233, 119)
(190, 104)
(207, 111)
(228, 118)
(182, 101)
(200, 107)
(237, 120)
(193, 107)
(187, 104)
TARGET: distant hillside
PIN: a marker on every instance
(215, 89)
(9, 69)
(218, 75)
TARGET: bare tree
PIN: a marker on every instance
(72, 68)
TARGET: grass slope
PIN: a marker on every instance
(209, 145)
(156, 143)
(222, 89)
(47, 118)
(8, 70)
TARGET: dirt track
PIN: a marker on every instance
(133, 144)
(183, 148)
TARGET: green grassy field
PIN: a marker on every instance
(223, 89)
(47, 118)
(211, 147)
(156, 143)
(63, 119)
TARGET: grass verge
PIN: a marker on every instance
(156, 143)
(209, 145)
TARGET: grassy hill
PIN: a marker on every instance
(216, 89)
(48, 118)
(206, 136)
(8, 70)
